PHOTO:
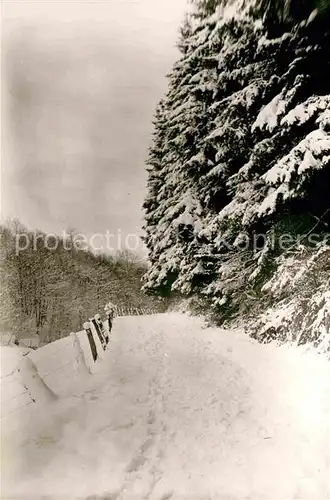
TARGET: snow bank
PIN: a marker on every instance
(60, 365)
(181, 411)
(14, 395)
(22, 393)
(10, 357)
(299, 292)
(32, 378)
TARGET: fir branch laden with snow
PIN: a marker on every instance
(241, 148)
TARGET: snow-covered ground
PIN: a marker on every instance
(177, 410)
(10, 358)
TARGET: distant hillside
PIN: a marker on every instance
(52, 292)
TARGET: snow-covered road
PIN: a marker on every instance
(180, 411)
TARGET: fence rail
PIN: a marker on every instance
(135, 311)
(120, 312)
(15, 395)
(55, 369)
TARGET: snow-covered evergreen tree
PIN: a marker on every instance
(241, 152)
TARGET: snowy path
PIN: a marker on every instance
(183, 412)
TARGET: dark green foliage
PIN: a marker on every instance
(280, 15)
(205, 8)
(241, 152)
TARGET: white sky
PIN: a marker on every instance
(81, 82)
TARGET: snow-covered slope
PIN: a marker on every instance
(10, 357)
(30, 379)
(177, 410)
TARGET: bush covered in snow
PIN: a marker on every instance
(299, 297)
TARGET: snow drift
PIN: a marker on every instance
(178, 410)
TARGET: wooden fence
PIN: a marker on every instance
(135, 311)
(54, 370)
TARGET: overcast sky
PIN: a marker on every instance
(81, 82)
